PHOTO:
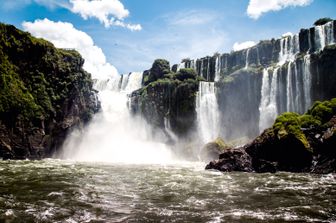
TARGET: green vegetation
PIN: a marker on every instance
(159, 69)
(323, 111)
(186, 73)
(322, 21)
(292, 123)
(36, 78)
(289, 124)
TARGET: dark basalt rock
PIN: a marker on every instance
(44, 93)
(232, 160)
(289, 145)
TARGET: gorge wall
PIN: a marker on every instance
(252, 86)
(44, 92)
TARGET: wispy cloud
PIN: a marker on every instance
(108, 12)
(172, 37)
(258, 7)
(191, 17)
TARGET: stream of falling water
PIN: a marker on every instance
(114, 135)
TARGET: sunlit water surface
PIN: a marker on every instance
(65, 191)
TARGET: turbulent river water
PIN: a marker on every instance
(67, 191)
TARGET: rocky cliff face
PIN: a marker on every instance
(44, 93)
(255, 85)
(167, 100)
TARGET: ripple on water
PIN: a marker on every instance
(66, 191)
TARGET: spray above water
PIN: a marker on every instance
(115, 135)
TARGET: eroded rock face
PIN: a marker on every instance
(169, 99)
(45, 93)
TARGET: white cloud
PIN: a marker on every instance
(65, 35)
(108, 12)
(243, 45)
(287, 34)
(190, 17)
(258, 7)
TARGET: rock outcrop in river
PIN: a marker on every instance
(295, 143)
(44, 92)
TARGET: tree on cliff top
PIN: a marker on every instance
(322, 21)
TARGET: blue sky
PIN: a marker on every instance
(171, 29)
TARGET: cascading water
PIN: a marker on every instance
(218, 68)
(181, 66)
(324, 35)
(289, 90)
(307, 81)
(289, 47)
(114, 135)
(207, 111)
(247, 58)
(268, 106)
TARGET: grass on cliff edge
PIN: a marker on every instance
(292, 123)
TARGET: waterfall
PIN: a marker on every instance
(218, 68)
(201, 69)
(307, 81)
(289, 94)
(319, 37)
(133, 82)
(297, 90)
(324, 35)
(114, 134)
(289, 47)
(173, 137)
(247, 58)
(207, 111)
(124, 81)
(268, 105)
(181, 66)
(208, 70)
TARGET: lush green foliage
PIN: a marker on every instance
(322, 21)
(292, 123)
(160, 72)
(323, 111)
(159, 69)
(35, 77)
(186, 73)
(289, 124)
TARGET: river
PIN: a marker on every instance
(68, 191)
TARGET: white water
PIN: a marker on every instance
(218, 68)
(289, 47)
(247, 58)
(181, 66)
(268, 105)
(208, 70)
(324, 35)
(207, 111)
(307, 81)
(289, 91)
(114, 135)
